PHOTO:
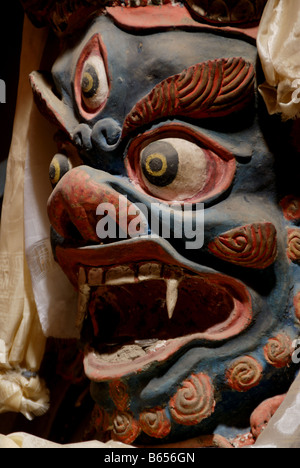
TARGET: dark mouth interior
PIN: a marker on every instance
(120, 315)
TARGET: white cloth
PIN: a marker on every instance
(36, 298)
(278, 44)
(283, 431)
(22, 342)
(22, 440)
(55, 297)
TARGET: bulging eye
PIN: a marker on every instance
(94, 86)
(91, 80)
(176, 165)
(159, 162)
(173, 168)
(59, 166)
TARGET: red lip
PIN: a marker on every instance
(123, 252)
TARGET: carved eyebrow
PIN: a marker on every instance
(208, 89)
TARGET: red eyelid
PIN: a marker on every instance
(221, 169)
(95, 47)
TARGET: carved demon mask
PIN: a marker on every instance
(160, 126)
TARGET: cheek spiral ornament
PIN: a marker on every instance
(125, 428)
(194, 401)
(119, 393)
(244, 374)
(155, 423)
(293, 250)
(278, 351)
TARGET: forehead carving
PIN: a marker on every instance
(201, 89)
(210, 89)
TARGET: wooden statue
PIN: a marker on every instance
(160, 124)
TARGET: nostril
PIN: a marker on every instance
(106, 135)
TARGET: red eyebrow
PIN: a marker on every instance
(208, 89)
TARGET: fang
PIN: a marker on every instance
(171, 296)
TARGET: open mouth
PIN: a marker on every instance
(134, 313)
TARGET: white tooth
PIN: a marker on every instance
(83, 300)
(95, 277)
(81, 277)
(171, 295)
(145, 343)
(120, 275)
(149, 271)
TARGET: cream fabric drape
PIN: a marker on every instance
(36, 298)
(283, 431)
(278, 45)
(22, 440)
(22, 342)
(55, 297)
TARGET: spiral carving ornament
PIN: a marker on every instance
(125, 428)
(278, 351)
(155, 423)
(252, 246)
(194, 401)
(101, 419)
(297, 306)
(293, 250)
(244, 374)
(119, 393)
(207, 89)
(291, 208)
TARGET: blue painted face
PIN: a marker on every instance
(182, 339)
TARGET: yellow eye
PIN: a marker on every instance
(159, 163)
(87, 83)
(156, 165)
(176, 163)
(90, 82)
(59, 166)
(173, 168)
(93, 84)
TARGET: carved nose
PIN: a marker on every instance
(106, 135)
(85, 201)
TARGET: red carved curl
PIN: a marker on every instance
(293, 250)
(244, 374)
(209, 89)
(125, 428)
(155, 423)
(291, 208)
(252, 246)
(278, 351)
(119, 393)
